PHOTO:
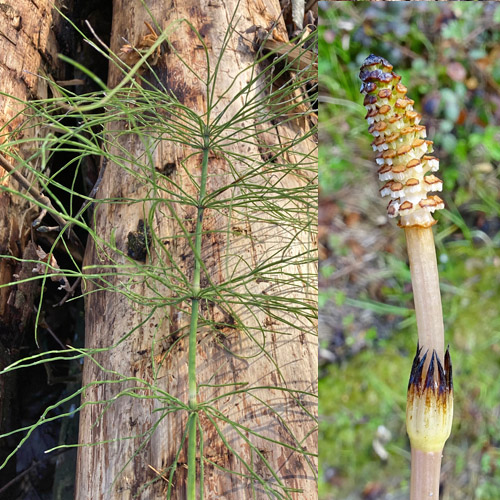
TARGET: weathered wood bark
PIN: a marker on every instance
(27, 45)
(109, 315)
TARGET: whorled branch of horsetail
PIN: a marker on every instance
(40, 199)
(44, 201)
(406, 166)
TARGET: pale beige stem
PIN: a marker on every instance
(425, 282)
(430, 397)
(425, 474)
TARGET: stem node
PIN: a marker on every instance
(429, 410)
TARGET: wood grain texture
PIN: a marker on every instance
(24, 40)
(222, 359)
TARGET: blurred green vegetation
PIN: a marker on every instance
(448, 54)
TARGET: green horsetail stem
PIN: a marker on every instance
(406, 166)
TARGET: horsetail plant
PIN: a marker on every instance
(182, 316)
(407, 168)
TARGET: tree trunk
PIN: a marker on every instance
(27, 46)
(225, 354)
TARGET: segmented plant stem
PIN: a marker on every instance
(193, 328)
(429, 410)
